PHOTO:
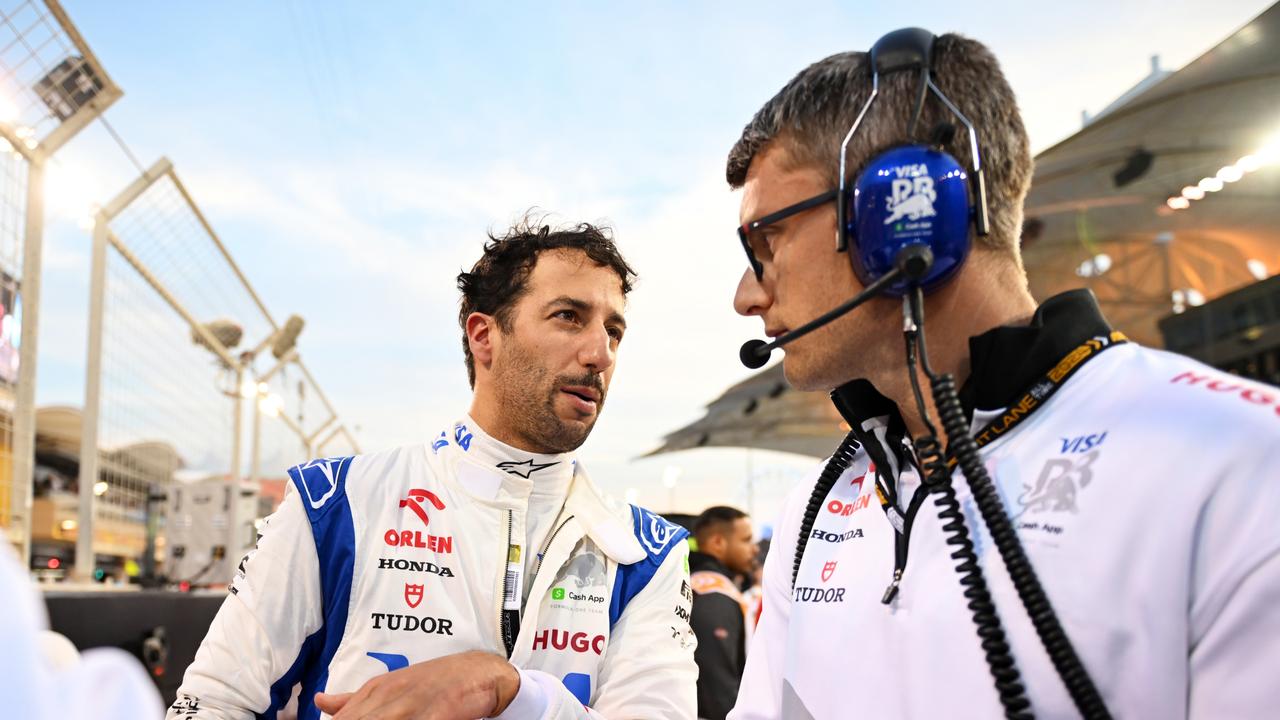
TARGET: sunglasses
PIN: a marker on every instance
(753, 239)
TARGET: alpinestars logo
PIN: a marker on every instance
(414, 502)
(913, 194)
(524, 469)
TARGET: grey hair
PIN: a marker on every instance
(811, 115)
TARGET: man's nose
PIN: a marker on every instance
(596, 352)
(751, 297)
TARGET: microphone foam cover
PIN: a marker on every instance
(752, 354)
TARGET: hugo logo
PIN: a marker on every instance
(579, 642)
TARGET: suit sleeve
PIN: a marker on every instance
(241, 667)
(1235, 610)
(649, 672)
(718, 624)
(760, 694)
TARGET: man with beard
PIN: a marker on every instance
(482, 573)
(720, 611)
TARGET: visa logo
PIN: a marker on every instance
(1082, 444)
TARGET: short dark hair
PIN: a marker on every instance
(715, 519)
(501, 276)
(812, 113)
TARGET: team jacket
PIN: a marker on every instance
(379, 561)
(719, 621)
(1146, 492)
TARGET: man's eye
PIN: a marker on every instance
(567, 315)
(615, 333)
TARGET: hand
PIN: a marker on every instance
(465, 686)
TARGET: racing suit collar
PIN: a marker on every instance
(1005, 361)
(608, 525)
(524, 475)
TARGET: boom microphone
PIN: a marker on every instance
(913, 262)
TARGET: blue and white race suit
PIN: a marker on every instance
(376, 562)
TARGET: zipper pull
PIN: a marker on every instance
(891, 592)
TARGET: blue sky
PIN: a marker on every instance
(352, 155)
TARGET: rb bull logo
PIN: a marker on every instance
(415, 500)
(912, 194)
(1058, 485)
(412, 595)
(828, 569)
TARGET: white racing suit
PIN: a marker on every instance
(376, 562)
(1146, 492)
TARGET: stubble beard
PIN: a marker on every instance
(527, 393)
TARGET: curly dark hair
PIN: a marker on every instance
(500, 277)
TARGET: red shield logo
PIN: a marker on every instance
(828, 570)
(416, 498)
(412, 595)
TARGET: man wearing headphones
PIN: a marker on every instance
(1140, 485)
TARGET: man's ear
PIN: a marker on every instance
(483, 337)
(714, 544)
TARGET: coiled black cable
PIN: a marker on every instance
(964, 449)
(986, 619)
(835, 467)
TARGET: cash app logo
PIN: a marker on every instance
(557, 593)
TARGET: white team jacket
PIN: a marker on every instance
(1147, 494)
(379, 561)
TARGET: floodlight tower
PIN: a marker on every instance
(51, 87)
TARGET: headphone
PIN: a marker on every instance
(912, 194)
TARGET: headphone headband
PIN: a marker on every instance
(905, 49)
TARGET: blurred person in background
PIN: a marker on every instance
(43, 677)
(480, 573)
(725, 552)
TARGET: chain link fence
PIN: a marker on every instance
(51, 86)
(192, 383)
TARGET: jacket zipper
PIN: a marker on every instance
(537, 568)
(508, 620)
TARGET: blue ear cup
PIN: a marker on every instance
(911, 195)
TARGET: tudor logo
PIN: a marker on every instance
(414, 502)
(412, 595)
(412, 623)
(828, 569)
(818, 595)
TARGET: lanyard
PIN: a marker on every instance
(1041, 391)
(1012, 417)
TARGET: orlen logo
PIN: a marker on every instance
(414, 503)
(835, 507)
(578, 642)
(415, 538)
